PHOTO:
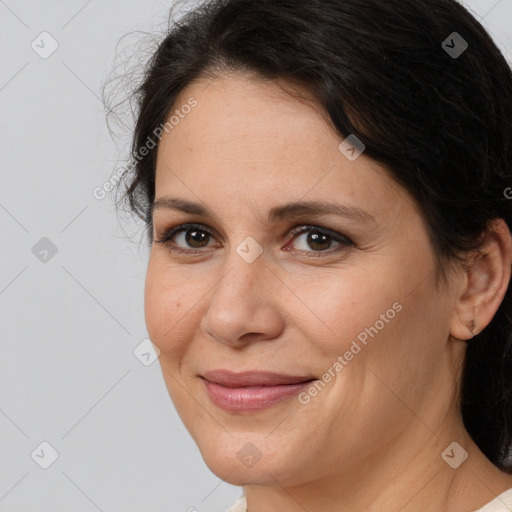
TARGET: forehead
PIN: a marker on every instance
(251, 137)
(240, 111)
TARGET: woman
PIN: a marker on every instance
(326, 187)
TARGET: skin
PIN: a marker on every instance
(372, 438)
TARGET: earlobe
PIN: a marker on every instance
(472, 328)
(484, 284)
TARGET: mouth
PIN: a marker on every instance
(252, 391)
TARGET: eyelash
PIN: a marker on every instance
(166, 238)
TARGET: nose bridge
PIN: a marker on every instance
(245, 270)
(239, 303)
(251, 253)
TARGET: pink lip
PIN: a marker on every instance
(251, 391)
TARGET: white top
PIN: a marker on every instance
(503, 503)
(239, 506)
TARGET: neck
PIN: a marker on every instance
(407, 475)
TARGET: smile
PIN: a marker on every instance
(251, 391)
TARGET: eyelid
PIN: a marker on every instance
(301, 228)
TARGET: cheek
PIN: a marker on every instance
(382, 316)
(170, 306)
(352, 306)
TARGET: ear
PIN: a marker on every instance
(485, 282)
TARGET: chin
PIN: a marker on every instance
(239, 461)
(236, 474)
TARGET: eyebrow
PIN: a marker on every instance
(295, 210)
(276, 214)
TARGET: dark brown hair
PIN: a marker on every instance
(388, 72)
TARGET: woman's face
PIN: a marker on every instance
(345, 300)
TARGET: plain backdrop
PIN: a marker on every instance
(77, 391)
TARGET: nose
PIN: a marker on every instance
(244, 305)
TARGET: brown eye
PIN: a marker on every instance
(195, 238)
(315, 239)
(186, 238)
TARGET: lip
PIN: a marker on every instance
(252, 390)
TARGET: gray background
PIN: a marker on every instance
(70, 321)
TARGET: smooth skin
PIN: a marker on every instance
(372, 438)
